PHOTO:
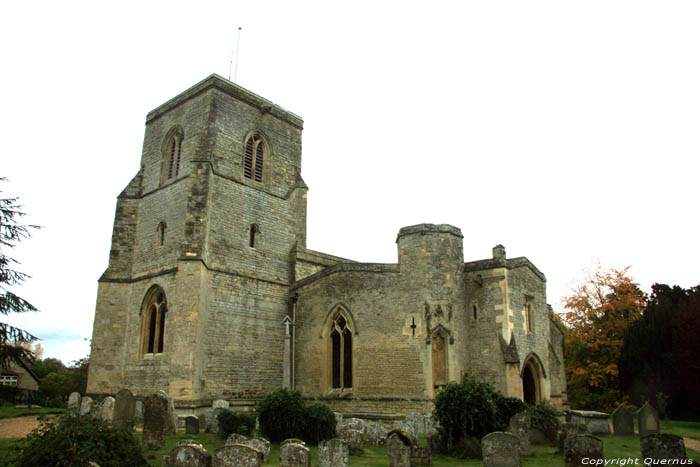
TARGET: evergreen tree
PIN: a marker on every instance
(12, 339)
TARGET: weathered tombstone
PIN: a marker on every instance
(235, 438)
(398, 447)
(107, 411)
(623, 421)
(352, 424)
(375, 433)
(520, 425)
(582, 450)
(408, 428)
(422, 424)
(420, 456)
(86, 405)
(355, 439)
(172, 416)
(155, 421)
(138, 409)
(238, 455)
(294, 455)
(74, 402)
(124, 407)
(212, 420)
(594, 422)
(333, 453)
(191, 425)
(648, 420)
(187, 455)
(658, 447)
(261, 445)
(501, 449)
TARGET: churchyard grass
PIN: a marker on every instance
(11, 411)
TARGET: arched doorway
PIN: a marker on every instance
(529, 386)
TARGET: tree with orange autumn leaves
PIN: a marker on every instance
(597, 313)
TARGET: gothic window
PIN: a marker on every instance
(253, 236)
(341, 352)
(153, 321)
(255, 150)
(172, 152)
(160, 230)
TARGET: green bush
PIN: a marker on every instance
(281, 414)
(545, 417)
(232, 422)
(74, 440)
(319, 423)
(471, 409)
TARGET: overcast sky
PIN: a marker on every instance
(567, 131)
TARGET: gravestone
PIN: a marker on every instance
(107, 411)
(74, 402)
(155, 421)
(294, 455)
(187, 455)
(235, 438)
(623, 421)
(594, 422)
(191, 425)
(333, 453)
(124, 407)
(238, 455)
(86, 405)
(352, 424)
(398, 448)
(501, 449)
(138, 409)
(582, 450)
(420, 456)
(375, 433)
(261, 445)
(422, 424)
(408, 428)
(172, 416)
(658, 447)
(355, 440)
(520, 425)
(648, 419)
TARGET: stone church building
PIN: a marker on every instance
(212, 293)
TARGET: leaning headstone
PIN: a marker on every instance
(521, 425)
(261, 445)
(107, 411)
(333, 453)
(86, 405)
(662, 447)
(398, 448)
(582, 450)
(155, 421)
(623, 421)
(501, 449)
(124, 406)
(235, 438)
(187, 455)
(355, 440)
(191, 425)
(74, 402)
(648, 420)
(294, 455)
(238, 455)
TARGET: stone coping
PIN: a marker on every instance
(588, 414)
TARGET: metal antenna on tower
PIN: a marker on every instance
(238, 45)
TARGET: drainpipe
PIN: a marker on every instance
(295, 298)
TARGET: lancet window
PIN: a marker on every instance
(153, 317)
(341, 352)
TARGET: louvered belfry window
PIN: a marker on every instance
(254, 156)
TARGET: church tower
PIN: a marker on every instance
(196, 290)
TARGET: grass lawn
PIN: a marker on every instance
(10, 412)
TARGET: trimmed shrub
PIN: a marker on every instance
(468, 411)
(319, 424)
(74, 440)
(545, 417)
(233, 422)
(281, 415)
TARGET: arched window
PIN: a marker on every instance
(160, 230)
(172, 152)
(153, 312)
(341, 352)
(253, 160)
(253, 236)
